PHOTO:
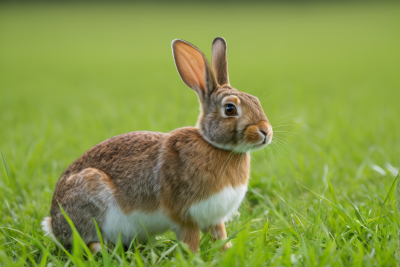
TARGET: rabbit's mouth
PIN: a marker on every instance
(268, 138)
(258, 135)
(265, 142)
(255, 139)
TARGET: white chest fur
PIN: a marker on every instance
(218, 207)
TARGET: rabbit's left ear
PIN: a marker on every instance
(220, 60)
(194, 69)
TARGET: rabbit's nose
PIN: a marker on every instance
(263, 127)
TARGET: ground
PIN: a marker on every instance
(323, 194)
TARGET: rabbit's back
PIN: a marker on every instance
(130, 161)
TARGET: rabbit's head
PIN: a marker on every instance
(229, 119)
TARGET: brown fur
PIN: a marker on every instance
(194, 170)
(148, 171)
(129, 160)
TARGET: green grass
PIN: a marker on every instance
(72, 76)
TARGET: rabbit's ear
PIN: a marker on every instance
(193, 67)
(220, 61)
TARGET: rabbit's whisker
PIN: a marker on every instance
(284, 152)
(265, 154)
(280, 117)
(283, 125)
(275, 146)
(285, 120)
(267, 98)
(272, 154)
(278, 154)
(283, 148)
(262, 95)
(261, 98)
(277, 138)
(284, 132)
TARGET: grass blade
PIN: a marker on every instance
(13, 191)
(387, 197)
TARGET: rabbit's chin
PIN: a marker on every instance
(251, 147)
(242, 148)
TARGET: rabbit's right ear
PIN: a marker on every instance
(193, 67)
(220, 60)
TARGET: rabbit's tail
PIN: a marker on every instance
(47, 227)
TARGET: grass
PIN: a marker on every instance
(324, 194)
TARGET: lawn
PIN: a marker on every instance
(323, 194)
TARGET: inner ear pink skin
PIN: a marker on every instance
(190, 64)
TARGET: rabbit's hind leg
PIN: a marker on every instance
(83, 196)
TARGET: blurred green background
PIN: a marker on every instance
(73, 75)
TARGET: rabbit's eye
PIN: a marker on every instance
(230, 110)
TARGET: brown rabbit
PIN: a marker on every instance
(191, 179)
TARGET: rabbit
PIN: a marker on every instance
(142, 184)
